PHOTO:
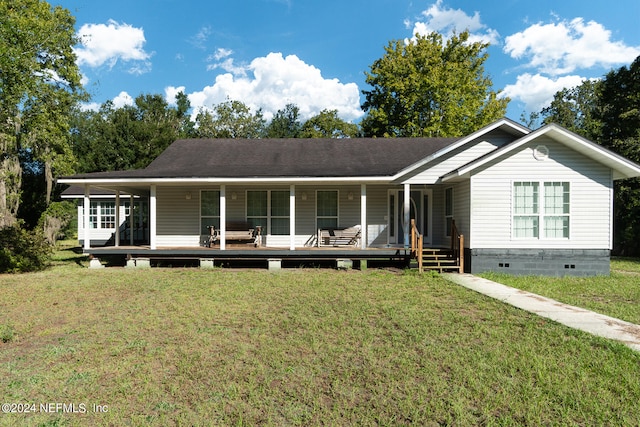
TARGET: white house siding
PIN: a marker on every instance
(590, 190)
(178, 217)
(469, 152)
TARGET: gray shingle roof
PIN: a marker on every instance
(287, 158)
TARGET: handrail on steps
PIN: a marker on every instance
(416, 244)
(457, 246)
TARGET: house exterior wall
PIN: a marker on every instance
(492, 241)
(178, 215)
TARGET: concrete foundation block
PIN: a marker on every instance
(138, 263)
(344, 264)
(275, 264)
(206, 263)
(95, 263)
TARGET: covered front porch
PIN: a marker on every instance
(180, 218)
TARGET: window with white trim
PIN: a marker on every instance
(269, 209)
(102, 215)
(541, 210)
(326, 209)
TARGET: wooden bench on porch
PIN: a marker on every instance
(339, 236)
(237, 231)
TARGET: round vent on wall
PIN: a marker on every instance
(541, 152)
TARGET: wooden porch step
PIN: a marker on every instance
(440, 260)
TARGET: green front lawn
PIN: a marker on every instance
(617, 295)
(301, 347)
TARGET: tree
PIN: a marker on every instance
(327, 124)
(430, 88)
(129, 137)
(576, 109)
(39, 84)
(619, 115)
(230, 119)
(285, 123)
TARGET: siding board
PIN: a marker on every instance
(590, 186)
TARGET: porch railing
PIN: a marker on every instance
(457, 246)
(416, 244)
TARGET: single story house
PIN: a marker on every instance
(526, 202)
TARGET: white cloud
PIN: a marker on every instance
(200, 39)
(122, 99)
(112, 42)
(273, 81)
(222, 53)
(222, 59)
(565, 46)
(90, 106)
(446, 21)
(170, 93)
(537, 91)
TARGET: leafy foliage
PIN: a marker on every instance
(327, 124)
(129, 137)
(430, 88)
(39, 83)
(22, 250)
(55, 219)
(230, 119)
(285, 123)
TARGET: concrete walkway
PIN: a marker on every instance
(574, 317)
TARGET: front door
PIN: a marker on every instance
(420, 210)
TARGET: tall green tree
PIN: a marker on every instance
(285, 123)
(430, 87)
(230, 119)
(129, 137)
(619, 114)
(327, 124)
(39, 84)
(576, 109)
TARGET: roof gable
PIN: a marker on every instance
(621, 167)
(504, 125)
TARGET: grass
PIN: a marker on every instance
(302, 347)
(617, 295)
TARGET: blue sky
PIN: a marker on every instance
(268, 53)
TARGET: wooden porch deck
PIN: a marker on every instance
(246, 254)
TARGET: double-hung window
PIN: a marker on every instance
(270, 210)
(541, 210)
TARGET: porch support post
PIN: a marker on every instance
(85, 219)
(223, 217)
(153, 215)
(117, 236)
(292, 217)
(363, 216)
(406, 223)
(131, 219)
